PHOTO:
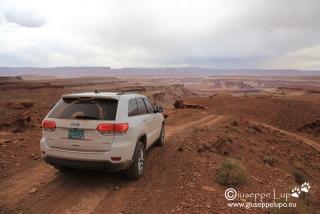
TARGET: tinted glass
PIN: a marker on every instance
(98, 109)
(150, 108)
(141, 106)
(133, 108)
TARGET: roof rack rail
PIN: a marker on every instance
(122, 93)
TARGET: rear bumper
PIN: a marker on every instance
(101, 160)
(97, 165)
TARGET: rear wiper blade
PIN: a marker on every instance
(87, 117)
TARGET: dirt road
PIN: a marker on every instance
(304, 139)
(42, 189)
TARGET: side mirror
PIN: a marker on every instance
(159, 109)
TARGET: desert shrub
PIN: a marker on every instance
(303, 205)
(231, 172)
(313, 166)
(205, 147)
(305, 157)
(199, 149)
(230, 139)
(250, 131)
(291, 159)
(298, 177)
(240, 146)
(270, 160)
(204, 128)
(237, 157)
(234, 123)
(304, 172)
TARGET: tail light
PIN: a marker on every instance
(48, 126)
(113, 129)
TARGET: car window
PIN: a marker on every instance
(141, 106)
(97, 109)
(150, 108)
(133, 108)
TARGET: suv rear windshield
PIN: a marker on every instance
(97, 109)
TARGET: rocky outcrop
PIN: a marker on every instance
(22, 85)
(222, 147)
(23, 105)
(159, 96)
(164, 80)
(155, 88)
(17, 124)
(10, 79)
(179, 104)
(312, 128)
(292, 91)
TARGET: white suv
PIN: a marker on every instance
(100, 130)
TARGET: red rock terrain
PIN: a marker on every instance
(275, 138)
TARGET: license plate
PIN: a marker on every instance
(76, 134)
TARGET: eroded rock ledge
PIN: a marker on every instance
(179, 104)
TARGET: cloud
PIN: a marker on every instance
(216, 33)
(25, 18)
(134, 33)
(307, 58)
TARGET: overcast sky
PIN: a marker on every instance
(257, 34)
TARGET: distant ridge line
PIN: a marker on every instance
(107, 71)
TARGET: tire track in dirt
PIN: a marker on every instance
(21, 184)
(156, 167)
(84, 191)
(304, 139)
(77, 191)
(87, 199)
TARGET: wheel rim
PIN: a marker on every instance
(140, 161)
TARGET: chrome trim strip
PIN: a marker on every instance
(77, 150)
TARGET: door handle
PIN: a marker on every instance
(144, 119)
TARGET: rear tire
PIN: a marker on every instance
(160, 141)
(135, 171)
